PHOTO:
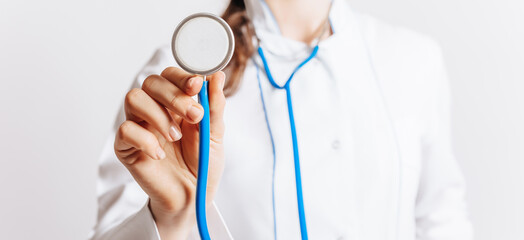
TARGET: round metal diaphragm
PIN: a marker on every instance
(203, 44)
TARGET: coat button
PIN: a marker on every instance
(335, 144)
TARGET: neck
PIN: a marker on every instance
(301, 20)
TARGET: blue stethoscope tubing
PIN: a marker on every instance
(204, 142)
(203, 164)
(296, 158)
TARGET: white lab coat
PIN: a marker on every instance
(372, 117)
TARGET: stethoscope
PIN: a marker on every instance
(205, 54)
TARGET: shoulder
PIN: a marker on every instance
(388, 42)
(409, 65)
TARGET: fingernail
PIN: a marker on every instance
(190, 82)
(194, 113)
(175, 133)
(160, 153)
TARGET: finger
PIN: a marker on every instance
(217, 102)
(171, 97)
(216, 110)
(131, 135)
(140, 106)
(188, 83)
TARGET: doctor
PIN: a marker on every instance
(372, 119)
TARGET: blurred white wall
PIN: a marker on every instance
(65, 66)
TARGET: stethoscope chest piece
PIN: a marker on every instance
(203, 44)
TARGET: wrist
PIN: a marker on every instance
(173, 225)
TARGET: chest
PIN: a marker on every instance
(349, 153)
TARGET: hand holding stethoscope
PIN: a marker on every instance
(159, 141)
(163, 110)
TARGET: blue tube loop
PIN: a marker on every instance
(298, 178)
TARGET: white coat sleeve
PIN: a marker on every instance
(441, 212)
(123, 211)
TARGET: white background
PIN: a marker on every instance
(66, 65)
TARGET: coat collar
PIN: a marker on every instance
(268, 31)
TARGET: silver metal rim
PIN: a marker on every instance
(230, 50)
